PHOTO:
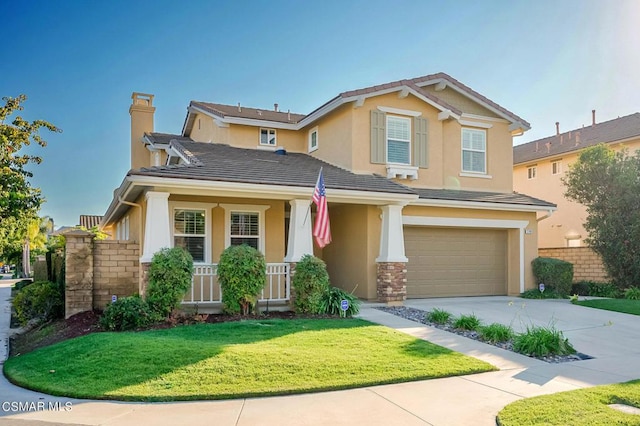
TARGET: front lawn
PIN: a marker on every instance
(234, 360)
(579, 407)
(625, 306)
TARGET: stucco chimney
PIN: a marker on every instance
(593, 117)
(557, 127)
(275, 107)
(141, 112)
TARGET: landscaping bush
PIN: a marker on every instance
(331, 303)
(22, 284)
(242, 275)
(170, 275)
(467, 322)
(581, 288)
(603, 290)
(556, 274)
(127, 313)
(438, 316)
(495, 333)
(310, 283)
(542, 341)
(41, 301)
(632, 293)
(534, 293)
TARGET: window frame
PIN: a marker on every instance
(311, 133)
(173, 207)
(268, 130)
(387, 138)
(532, 172)
(556, 170)
(245, 208)
(463, 150)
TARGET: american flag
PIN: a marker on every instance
(321, 229)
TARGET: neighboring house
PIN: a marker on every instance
(89, 221)
(538, 167)
(419, 185)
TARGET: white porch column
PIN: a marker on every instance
(392, 235)
(157, 233)
(300, 241)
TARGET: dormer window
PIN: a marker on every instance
(268, 137)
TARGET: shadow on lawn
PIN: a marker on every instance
(99, 364)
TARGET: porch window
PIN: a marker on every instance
(189, 232)
(245, 229)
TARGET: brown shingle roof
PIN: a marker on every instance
(481, 197)
(164, 138)
(245, 112)
(609, 131)
(219, 162)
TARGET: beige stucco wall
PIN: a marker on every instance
(350, 257)
(334, 137)
(513, 238)
(568, 219)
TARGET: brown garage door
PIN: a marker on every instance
(455, 262)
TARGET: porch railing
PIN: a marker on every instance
(205, 287)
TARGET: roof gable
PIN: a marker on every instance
(619, 129)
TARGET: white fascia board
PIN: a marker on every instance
(482, 117)
(327, 108)
(260, 123)
(464, 222)
(472, 123)
(120, 193)
(481, 205)
(248, 190)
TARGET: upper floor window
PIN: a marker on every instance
(398, 140)
(189, 232)
(474, 151)
(268, 137)
(313, 139)
(245, 229)
(531, 172)
(556, 167)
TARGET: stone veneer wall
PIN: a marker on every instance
(96, 270)
(587, 264)
(392, 282)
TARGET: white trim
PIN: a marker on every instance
(521, 258)
(392, 235)
(462, 150)
(408, 142)
(482, 117)
(267, 147)
(156, 226)
(245, 208)
(220, 123)
(445, 115)
(300, 239)
(275, 137)
(309, 134)
(532, 172)
(470, 123)
(459, 222)
(481, 206)
(188, 205)
(400, 111)
(475, 175)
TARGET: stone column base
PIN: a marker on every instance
(392, 282)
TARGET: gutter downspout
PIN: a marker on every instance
(546, 216)
(129, 203)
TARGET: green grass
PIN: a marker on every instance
(233, 360)
(617, 305)
(580, 407)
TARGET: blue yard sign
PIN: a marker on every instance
(344, 305)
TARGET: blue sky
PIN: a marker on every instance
(79, 61)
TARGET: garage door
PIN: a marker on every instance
(455, 262)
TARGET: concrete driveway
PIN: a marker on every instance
(613, 339)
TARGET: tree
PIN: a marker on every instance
(607, 183)
(19, 201)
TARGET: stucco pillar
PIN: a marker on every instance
(300, 239)
(156, 228)
(391, 268)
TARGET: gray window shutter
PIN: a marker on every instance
(420, 146)
(378, 137)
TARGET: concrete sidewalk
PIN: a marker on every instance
(475, 399)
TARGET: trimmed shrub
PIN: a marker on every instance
(603, 290)
(438, 316)
(242, 275)
(495, 333)
(542, 341)
(581, 288)
(331, 303)
(534, 293)
(127, 313)
(310, 283)
(40, 301)
(632, 293)
(556, 274)
(467, 322)
(170, 275)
